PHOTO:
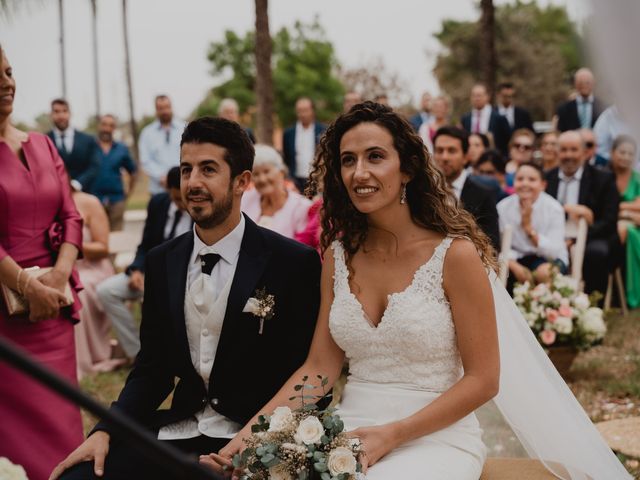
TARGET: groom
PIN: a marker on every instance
(199, 321)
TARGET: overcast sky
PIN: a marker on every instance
(169, 40)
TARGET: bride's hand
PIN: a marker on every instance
(375, 443)
(222, 461)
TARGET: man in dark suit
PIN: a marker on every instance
(517, 117)
(484, 118)
(424, 115)
(450, 148)
(584, 110)
(299, 142)
(166, 219)
(196, 324)
(590, 193)
(79, 151)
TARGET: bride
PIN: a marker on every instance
(407, 299)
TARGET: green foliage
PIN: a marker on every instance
(537, 48)
(304, 64)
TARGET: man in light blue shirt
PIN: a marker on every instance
(159, 145)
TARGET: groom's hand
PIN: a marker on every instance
(93, 448)
(219, 464)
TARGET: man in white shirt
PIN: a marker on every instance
(196, 324)
(483, 118)
(517, 116)
(299, 142)
(590, 193)
(159, 145)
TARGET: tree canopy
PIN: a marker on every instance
(304, 64)
(538, 50)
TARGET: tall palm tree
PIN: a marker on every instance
(488, 56)
(264, 82)
(127, 64)
(63, 66)
(96, 73)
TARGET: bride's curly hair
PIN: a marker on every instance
(431, 202)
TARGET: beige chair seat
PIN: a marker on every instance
(515, 469)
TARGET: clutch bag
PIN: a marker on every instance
(17, 305)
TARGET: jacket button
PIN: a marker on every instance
(215, 402)
(204, 401)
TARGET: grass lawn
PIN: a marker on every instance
(605, 379)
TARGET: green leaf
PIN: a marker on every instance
(320, 467)
(269, 457)
(325, 476)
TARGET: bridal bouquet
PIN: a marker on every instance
(559, 314)
(302, 444)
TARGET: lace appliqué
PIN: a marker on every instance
(415, 341)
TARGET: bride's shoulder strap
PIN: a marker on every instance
(340, 267)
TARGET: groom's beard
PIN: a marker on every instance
(220, 209)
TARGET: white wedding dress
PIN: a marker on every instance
(411, 358)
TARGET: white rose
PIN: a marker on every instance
(281, 417)
(309, 431)
(280, 472)
(581, 301)
(563, 325)
(341, 460)
(9, 471)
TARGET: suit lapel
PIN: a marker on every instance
(553, 181)
(585, 186)
(177, 267)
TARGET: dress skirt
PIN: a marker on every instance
(453, 453)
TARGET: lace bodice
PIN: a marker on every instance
(415, 341)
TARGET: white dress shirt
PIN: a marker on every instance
(69, 135)
(485, 117)
(458, 183)
(547, 219)
(204, 318)
(183, 226)
(509, 113)
(160, 151)
(305, 148)
(588, 106)
(569, 187)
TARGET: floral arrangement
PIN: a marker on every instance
(9, 471)
(559, 314)
(302, 444)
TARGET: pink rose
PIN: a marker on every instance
(552, 315)
(548, 337)
(565, 311)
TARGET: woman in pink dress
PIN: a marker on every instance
(93, 348)
(270, 204)
(39, 226)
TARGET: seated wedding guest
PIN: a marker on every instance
(520, 151)
(93, 348)
(439, 117)
(114, 158)
(549, 150)
(166, 219)
(622, 158)
(478, 144)
(270, 204)
(490, 170)
(591, 148)
(39, 226)
(590, 193)
(451, 145)
(537, 220)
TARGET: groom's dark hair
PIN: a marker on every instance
(224, 133)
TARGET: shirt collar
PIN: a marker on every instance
(67, 132)
(173, 124)
(577, 175)
(580, 99)
(458, 183)
(299, 126)
(228, 247)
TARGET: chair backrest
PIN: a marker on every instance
(577, 250)
(505, 248)
(122, 242)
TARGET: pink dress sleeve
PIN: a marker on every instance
(68, 214)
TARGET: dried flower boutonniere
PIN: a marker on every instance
(261, 306)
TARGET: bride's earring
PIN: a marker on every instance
(403, 194)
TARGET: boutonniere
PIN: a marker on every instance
(261, 306)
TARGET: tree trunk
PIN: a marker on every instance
(63, 68)
(264, 82)
(96, 71)
(127, 64)
(488, 59)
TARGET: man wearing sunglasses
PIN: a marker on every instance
(591, 148)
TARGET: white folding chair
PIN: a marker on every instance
(503, 258)
(122, 248)
(615, 280)
(578, 249)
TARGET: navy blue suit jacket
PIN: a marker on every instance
(239, 386)
(289, 146)
(498, 126)
(83, 162)
(568, 114)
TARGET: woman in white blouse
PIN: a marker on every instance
(538, 222)
(270, 204)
